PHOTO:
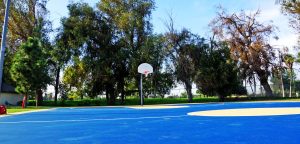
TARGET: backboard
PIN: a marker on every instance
(145, 69)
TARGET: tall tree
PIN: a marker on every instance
(130, 21)
(60, 54)
(181, 47)
(90, 38)
(289, 62)
(29, 68)
(248, 42)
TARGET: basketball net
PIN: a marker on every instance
(146, 73)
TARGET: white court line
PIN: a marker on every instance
(87, 120)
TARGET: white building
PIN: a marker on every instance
(9, 96)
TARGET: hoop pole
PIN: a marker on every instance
(141, 89)
(3, 41)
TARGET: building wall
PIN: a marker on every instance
(10, 98)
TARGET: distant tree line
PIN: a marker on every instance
(99, 49)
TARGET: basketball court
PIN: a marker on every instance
(260, 122)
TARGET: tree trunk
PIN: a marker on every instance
(290, 95)
(154, 86)
(56, 84)
(120, 89)
(188, 88)
(107, 95)
(36, 100)
(221, 98)
(110, 94)
(38, 97)
(267, 88)
(112, 97)
(254, 81)
(282, 85)
(81, 95)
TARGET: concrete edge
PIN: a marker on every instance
(25, 112)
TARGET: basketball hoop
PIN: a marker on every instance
(145, 69)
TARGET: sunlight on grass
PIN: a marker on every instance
(16, 109)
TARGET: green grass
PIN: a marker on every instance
(152, 101)
(16, 109)
(128, 101)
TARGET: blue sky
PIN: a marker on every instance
(195, 15)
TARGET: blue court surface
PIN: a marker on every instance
(108, 125)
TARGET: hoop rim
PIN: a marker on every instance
(146, 73)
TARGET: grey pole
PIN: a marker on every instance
(141, 89)
(3, 41)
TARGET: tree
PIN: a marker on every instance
(27, 19)
(289, 62)
(283, 80)
(181, 47)
(25, 16)
(292, 8)
(217, 74)
(248, 43)
(155, 51)
(29, 68)
(60, 54)
(75, 76)
(130, 22)
(90, 39)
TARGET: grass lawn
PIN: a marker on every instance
(16, 109)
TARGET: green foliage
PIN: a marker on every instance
(75, 76)
(217, 74)
(155, 53)
(88, 36)
(289, 60)
(29, 68)
(130, 21)
(286, 78)
(27, 18)
(129, 101)
(181, 49)
(110, 42)
(183, 95)
(100, 48)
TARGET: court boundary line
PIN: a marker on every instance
(25, 112)
(90, 120)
